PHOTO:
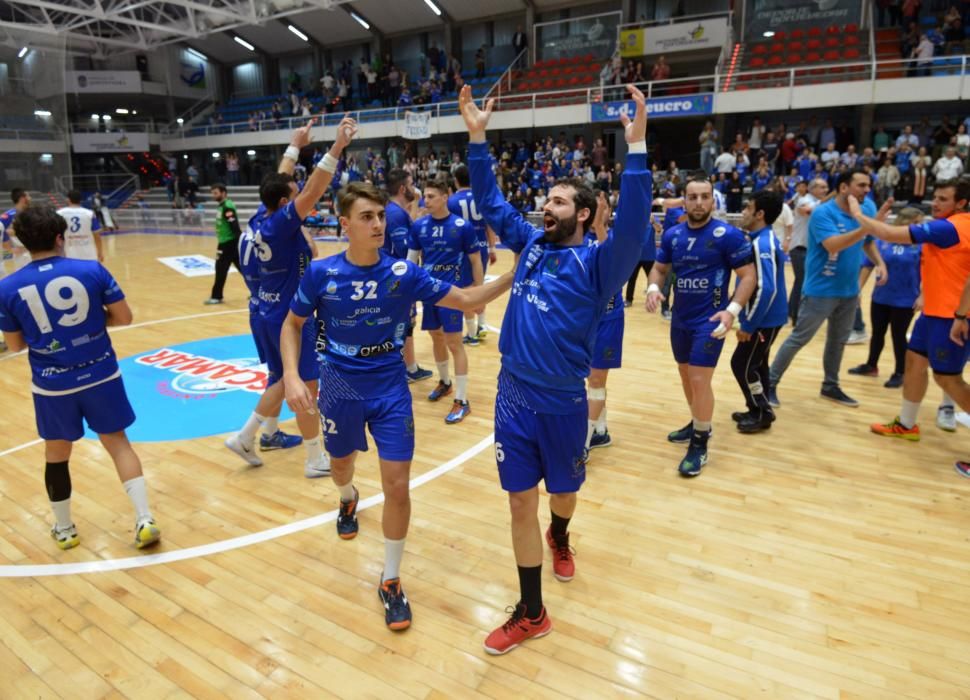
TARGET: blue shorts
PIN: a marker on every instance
(105, 407)
(931, 339)
(254, 320)
(608, 348)
(695, 346)
(389, 419)
(435, 317)
(531, 447)
(484, 252)
(269, 338)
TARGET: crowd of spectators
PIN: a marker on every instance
(924, 32)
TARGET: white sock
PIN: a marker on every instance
(62, 513)
(481, 321)
(702, 426)
(461, 387)
(443, 371)
(947, 401)
(248, 431)
(137, 491)
(313, 450)
(270, 425)
(590, 427)
(413, 368)
(471, 326)
(393, 553)
(346, 491)
(908, 413)
(600, 424)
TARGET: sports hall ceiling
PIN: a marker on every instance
(107, 27)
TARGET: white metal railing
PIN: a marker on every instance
(677, 20)
(506, 77)
(31, 134)
(751, 79)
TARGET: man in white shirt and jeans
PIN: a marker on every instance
(82, 240)
(796, 245)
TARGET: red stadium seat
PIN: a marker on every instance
(813, 57)
(794, 59)
(588, 78)
(777, 47)
(832, 29)
(561, 83)
(757, 62)
(759, 50)
(851, 28)
(813, 44)
(774, 60)
(554, 72)
(547, 84)
(832, 42)
(851, 40)
(797, 34)
(562, 61)
(780, 36)
(815, 31)
(831, 55)
(574, 80)
(851, 54)
(795, 46)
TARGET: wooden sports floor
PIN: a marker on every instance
(816, 560)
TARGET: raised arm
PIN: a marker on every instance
(322, 175)
(877, 226)
(471, 298)
(299, 140)
(505, 220)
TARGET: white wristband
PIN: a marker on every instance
(329, 163)
(734, 308)
(653, 288)
(292, 152)
(638, 147)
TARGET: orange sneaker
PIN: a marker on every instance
(518, 629)
(896, 429)
(563, 566)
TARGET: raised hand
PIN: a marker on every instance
(884, 210)
(346, 130)
(476, 120)
(302, 137)
(635, 129)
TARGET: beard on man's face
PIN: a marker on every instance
(557, 230)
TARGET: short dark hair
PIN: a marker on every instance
(462, 177)
(396, 179)
(960, 186)
(274, 187)
(700, 177)
(358, 190)
(38, 228)
(584, 198)
(219, 186)
(74, 197)
(16, 194)
(768, 202)
(845, 178)
(440, 183)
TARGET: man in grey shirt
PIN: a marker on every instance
(797, 245)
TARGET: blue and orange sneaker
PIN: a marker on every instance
(347, 525)
(896, 429)
(397, 609)
(459, 409)
(279, 441)
(441, 390)
(470, 340)
(963, 468)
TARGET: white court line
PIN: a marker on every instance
(21, 447)
(90, 567)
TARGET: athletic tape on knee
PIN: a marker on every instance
(595, 394)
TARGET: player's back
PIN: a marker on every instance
(444, 243)
(284, 256)
(58, 305)
(249, 260)
(79, 236)
(397, 226)
(462, 204)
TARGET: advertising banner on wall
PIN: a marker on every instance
(679, 106)
(102, 81)
(761, 16)
(668, 38)
(112, 142)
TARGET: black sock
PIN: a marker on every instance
(57, 479)
(530, 587)
(559, 526)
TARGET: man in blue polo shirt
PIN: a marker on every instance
(836, 244)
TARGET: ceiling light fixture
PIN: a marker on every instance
(360, 20)
(242, 42)
(299, 33)
(434, 8)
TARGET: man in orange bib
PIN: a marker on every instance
(945, 268)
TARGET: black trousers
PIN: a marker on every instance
(750, 366)
(895, 318)
(226, 256)
(631, 285)
(797, 256)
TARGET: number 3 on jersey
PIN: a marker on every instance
(364, 290)
(77, 299)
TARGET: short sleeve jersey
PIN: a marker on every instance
(445, 245)
(58, 304)
(945, 262)
(284, 256)
(397, 228)
(79, 237)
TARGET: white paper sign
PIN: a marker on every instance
(417, 125)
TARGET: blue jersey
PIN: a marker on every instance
(445, 245)
(284, 256)
(462, 204)
(903, 265)
(768, 306)
(560, 292)
(365, 311)
(6, 221)
(672, 216)
(58, 304)
(614, 307)
(702, 259)
(249, 261)
(833, 274)
(397, 229)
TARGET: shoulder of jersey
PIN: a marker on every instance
(458, 221)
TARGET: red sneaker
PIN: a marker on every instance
(563, 566)
(518, 629)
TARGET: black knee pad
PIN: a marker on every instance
(57, 478)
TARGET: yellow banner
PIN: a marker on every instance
(631, 42)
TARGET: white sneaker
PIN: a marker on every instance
(946, 419)
(146, 533)
(857, 338)
(247, 452)
(314, 470)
